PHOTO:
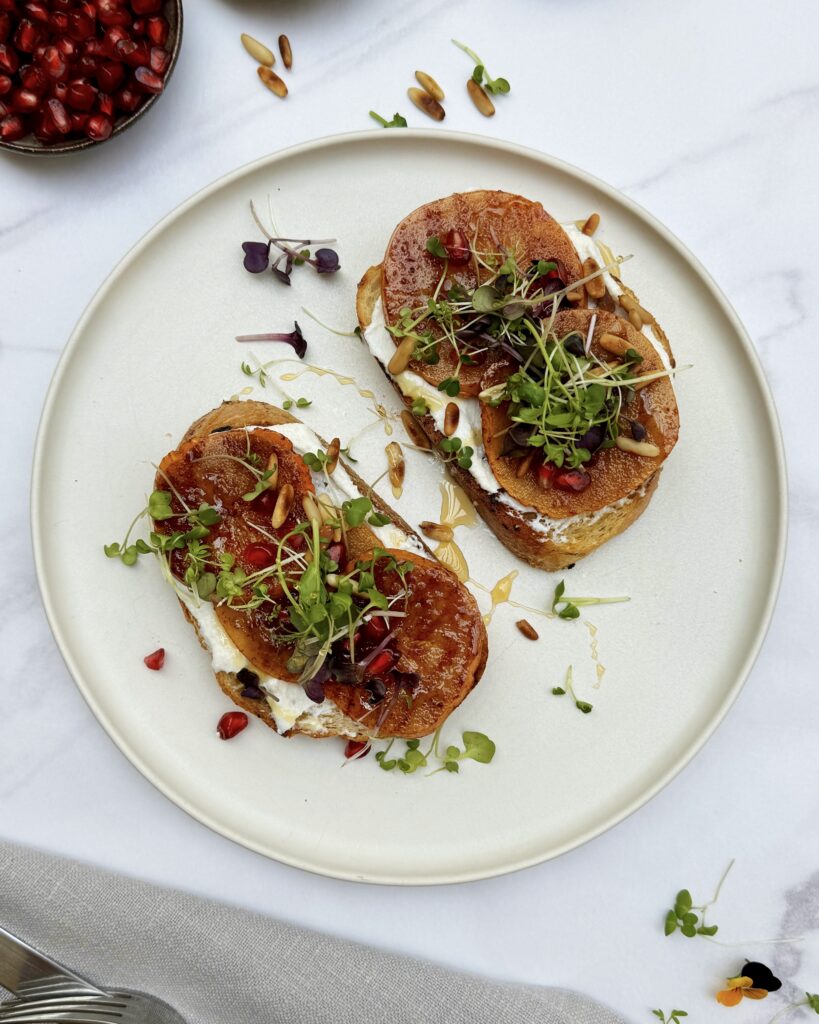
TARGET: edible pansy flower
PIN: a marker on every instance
(755, 982)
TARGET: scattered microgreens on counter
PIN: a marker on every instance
(294, 338)
(568, 687)
(292, 252)
(248, 371)
(672, 1018)
(397, 120)
(481, 75)
(571, 605)
(456, 451)
(477, 747)
(690, 918)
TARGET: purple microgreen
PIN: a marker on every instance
(325, 261)
(257, 256)
(295, 338)
(283, 275)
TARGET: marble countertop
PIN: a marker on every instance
(705, 113)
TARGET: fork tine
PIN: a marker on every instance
(78, 1016)
(29, 1012)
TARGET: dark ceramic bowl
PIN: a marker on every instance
(33, 147)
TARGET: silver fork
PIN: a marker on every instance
(46, 991)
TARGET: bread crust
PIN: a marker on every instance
(333, 722)
(514, 528)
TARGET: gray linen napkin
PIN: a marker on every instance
(220, 965)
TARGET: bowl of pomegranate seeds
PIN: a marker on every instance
(74, 73)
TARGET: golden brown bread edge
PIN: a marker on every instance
(235, 415)
(513, 528)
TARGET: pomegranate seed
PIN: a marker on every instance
(23, 101)
(54, 63)
(231, 723)
(260, 556)
(33, 78)
(89, 9)
(80, 26)
(111, 12)
(110, 77)
(98, 128)
(86, 66)
(146, 6)
(12, 128)
(375, 629)
(336, 552)
(111, 40)
(148, 80)
(138, 27)
(156, 660)
(265, 502)
(63, 6)
(9, 61)
(67, 47)
(4, 110)
(545, 472)
(160, 59)
(37, 11)
(78, 122)
(157, 29)
(105, 105)
(27, 36)
(381, 663)
(128, 99)
(59, 91)
(94, 48)
(134, 54)
(354, 748)
(5, 84)
(44, 129)
(58, 22)
(5, 27)
(59, 115)
(457, 247)
(572, 480)
(81, 95)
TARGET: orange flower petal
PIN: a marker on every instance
(730, 996)
(755, 993)
(740, 982)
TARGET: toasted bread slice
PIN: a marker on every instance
(442, 639)
(558, 536)
(493, 222)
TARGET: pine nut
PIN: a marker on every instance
(635, 319)
(626, 444)
(327, 509)
(311, 509)
(427, 104)
(597, 286)
(272, 81)
(436, 531)
(428, 83)
(273, 466)
(451, 416)
(283, 503)
(645, 316)
(417, 435)
(614, 344)
(332, 455)
(480, 98)
(286, 51)
(258, 51)
(592, 224)
(527, 629)
(401, 357)
(396, 467)
(627, 302)
(523, 465)
(576, 295)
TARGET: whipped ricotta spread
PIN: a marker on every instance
(381, 345)
(288, 702)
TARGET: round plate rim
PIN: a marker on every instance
(427, 135)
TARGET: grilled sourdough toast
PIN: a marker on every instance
(438, 647)
(547, 526)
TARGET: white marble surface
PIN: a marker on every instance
(705, 113)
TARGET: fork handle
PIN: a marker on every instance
(23, 969)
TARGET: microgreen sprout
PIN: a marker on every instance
(481, 75)
(476, 747)
(571, 605)
(294, 338)
(292, 252)
(248, 371)
(456, 451)
(436, 247)
(397, 120)
(811, 1000)
(690, 918)
(419, 407)
(568, 687)
(672, 1018)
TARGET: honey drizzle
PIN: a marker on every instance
(345, 381)
(600, 668)
(456, 510)
(499, 594)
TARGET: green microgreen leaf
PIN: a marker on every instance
(378, 519)
(397, 120)
(355, 510)
(302, 403)
(450, 386)
(287, 404)
(261, 485)
(436, 247)
(159, 505)
(419, 407)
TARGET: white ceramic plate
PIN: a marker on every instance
(155, 349)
